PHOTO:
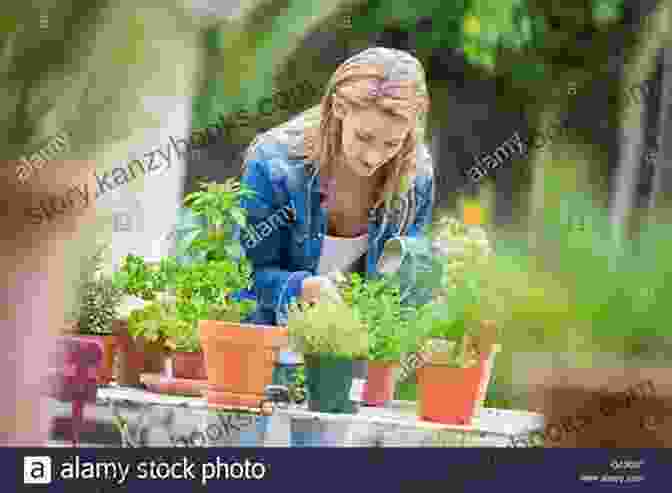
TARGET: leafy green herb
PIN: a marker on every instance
(327, 328)
(99, 297)
(219, 205)
(377, 302)
(159, 322)
(136, 278)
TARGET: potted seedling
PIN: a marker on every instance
(377, 302)
(330, 336)
(187, 357)
(156, 323)
(239, 357)
(99, 304)
(141, 283)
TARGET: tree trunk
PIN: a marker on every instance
(661, 196)
(632, 139)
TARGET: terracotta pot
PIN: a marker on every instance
(109, 343)
(602, 408)
(239, 360)
(449, 395)
(136, 356)
(189, 365)
(379, 386)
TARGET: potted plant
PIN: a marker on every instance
(239, 357)
(157, 324)
(377, 302)
(188, 361)
(141, 283)
(99, 305)
(460, 339)
(453, 378)
(183, 367)
(330, 336)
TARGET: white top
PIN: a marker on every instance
(341, 254)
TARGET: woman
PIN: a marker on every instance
(338, 183)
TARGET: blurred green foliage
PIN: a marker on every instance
(477, 27)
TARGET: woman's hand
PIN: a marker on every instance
(315, 288)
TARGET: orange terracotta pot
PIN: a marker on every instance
(189, 365)
(449, 395)
(136, 355)
(239, 360)
(110, 344)
(379, 386)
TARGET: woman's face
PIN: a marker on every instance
(371, 137)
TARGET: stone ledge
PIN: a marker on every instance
(162, 420)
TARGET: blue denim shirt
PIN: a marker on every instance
(288, 223)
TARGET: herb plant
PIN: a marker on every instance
(201, 285)
(136, 278)
(205, 285)
(327, 328)
(377, 303)
(219, 205)
(99, 297)
(159, 322)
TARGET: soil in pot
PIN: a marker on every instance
(448, 395)
(239, 360)
(110, 344)
(189, 365)
(379, 387)
(329, 382)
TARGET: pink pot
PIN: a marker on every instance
(189, 365)
(379, 386)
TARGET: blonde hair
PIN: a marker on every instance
(350, 84)
(319, 132)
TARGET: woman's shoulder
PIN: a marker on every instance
(276, 151)
(285, 142)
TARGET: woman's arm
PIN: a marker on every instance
(275, 285)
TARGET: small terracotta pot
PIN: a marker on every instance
(189, 365)
(239, 360)
(110, 344)
(449, 395)
(379, 386)
(136, 356)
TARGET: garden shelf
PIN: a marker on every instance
(166, 417)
